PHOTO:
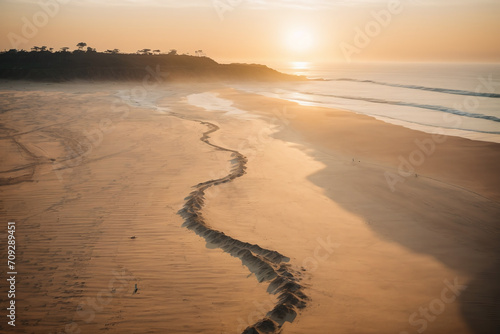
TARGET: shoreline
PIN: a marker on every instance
(420, 152)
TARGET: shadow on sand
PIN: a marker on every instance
(455, 223)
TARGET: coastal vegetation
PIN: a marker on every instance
(85, 63)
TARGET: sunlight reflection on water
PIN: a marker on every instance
(300, 67)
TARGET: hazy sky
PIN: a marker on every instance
(256, 30)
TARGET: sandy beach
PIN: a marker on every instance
(139, 211)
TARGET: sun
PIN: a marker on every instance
(300, 40)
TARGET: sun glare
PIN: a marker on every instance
(300, 40)
(300, 65)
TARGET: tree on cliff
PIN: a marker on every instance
(81, 45)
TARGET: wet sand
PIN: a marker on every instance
(97, 182)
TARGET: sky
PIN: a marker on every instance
(264, 30)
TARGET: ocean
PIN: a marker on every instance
(453, 99)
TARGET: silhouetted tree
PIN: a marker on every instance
(114, 51)
(43, 48)
(173, 52)
(64, 49)
(89, 49)
(51, 49)
(81, 45)
(35, 48)
(144, 51)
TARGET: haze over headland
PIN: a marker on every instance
(405, 30)
(56, 66)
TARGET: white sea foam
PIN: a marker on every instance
(457, 100)
(148, 100)
(212, 102)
